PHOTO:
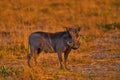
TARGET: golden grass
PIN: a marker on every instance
(99, 19)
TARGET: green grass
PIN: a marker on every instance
(8, 71)
(109, 26)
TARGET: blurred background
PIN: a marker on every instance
(99, 20)
(19, 18)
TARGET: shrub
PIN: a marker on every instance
(110, 26)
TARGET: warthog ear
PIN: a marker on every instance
(79, 28)
(68, 29)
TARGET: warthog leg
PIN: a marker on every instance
(30, 55)
(60, 59)
(66, 53)
(35, 57)
(36, 54)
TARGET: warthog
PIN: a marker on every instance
(59, 42)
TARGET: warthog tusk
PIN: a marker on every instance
(78, 38)
(68, 43)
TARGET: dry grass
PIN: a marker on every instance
(96, 59)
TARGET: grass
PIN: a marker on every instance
(99, 20)
(9, 71)
(109, 26)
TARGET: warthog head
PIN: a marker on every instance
(75, 34)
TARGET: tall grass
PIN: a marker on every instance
(19, 18)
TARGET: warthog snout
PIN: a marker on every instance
(74, 45)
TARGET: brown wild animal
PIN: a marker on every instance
(59, 42)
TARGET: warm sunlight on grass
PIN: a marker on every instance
(96, 59)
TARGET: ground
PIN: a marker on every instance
(101, 61)
(98, 57)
